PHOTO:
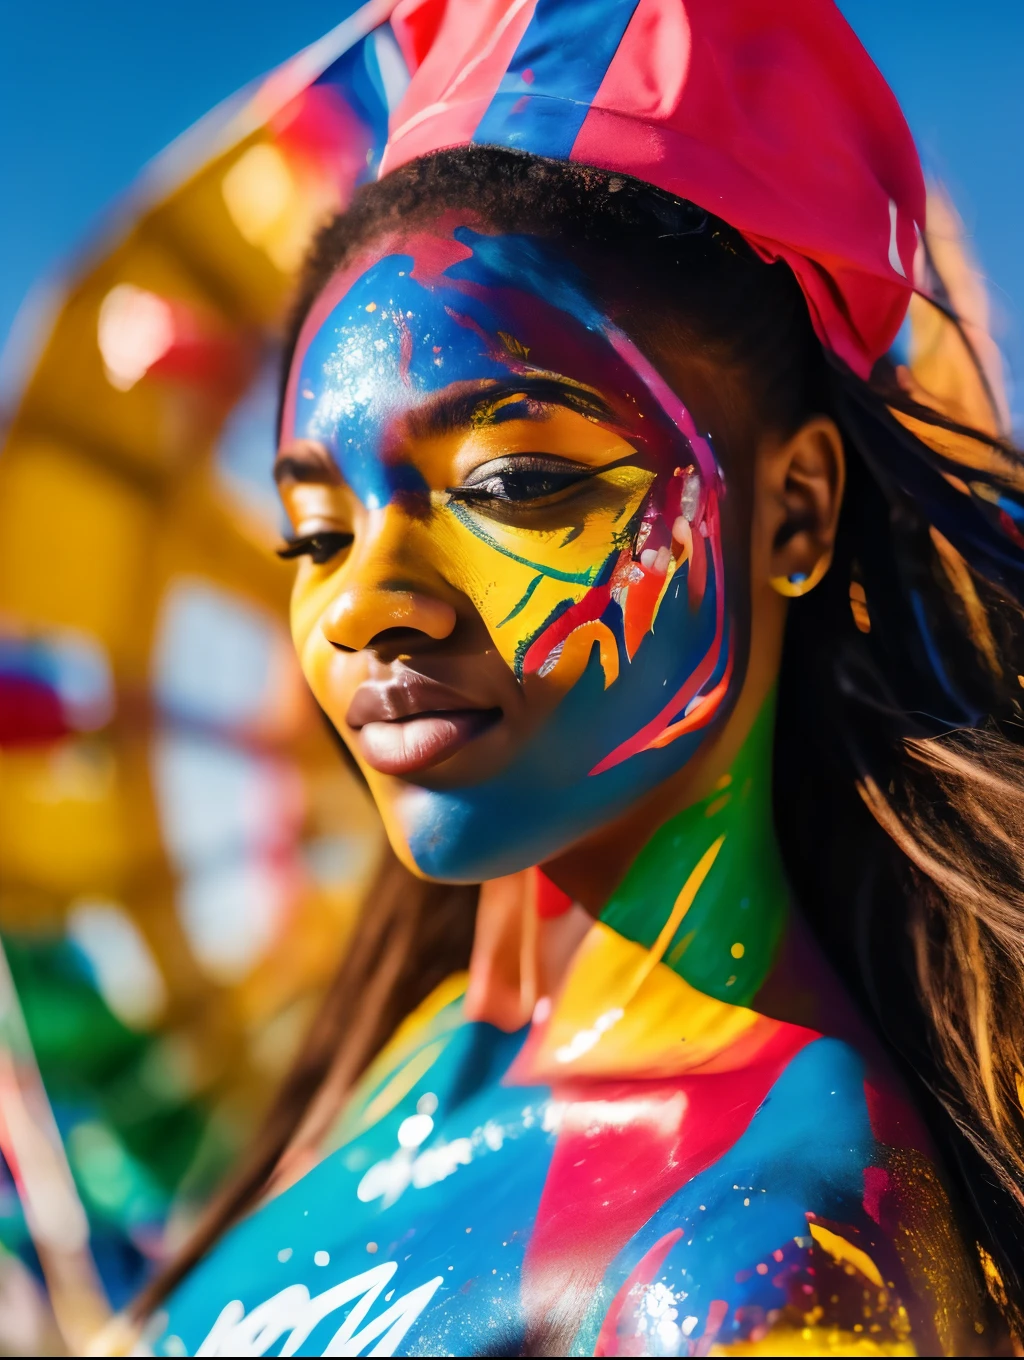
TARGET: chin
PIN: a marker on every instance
(456, 837)
(485, 831)
(551, 795)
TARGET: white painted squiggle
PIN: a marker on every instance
(293, 1314)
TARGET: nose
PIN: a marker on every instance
(385, 584)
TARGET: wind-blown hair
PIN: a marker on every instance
(899, 774)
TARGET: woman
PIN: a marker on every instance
(626, 552)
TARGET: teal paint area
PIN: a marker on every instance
(751, 1209)
(430, 1236)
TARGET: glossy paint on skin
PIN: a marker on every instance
(419, 364)
(689, 1151)
(647, 1169)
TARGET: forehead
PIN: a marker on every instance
(436, 307)
(448, 307)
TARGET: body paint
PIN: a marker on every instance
(758, 1186)
(726, 942)
(622, 618)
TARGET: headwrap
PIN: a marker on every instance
(771, 116)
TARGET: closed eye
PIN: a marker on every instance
(321, 547)
(526, 478)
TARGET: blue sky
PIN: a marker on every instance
(89, 92)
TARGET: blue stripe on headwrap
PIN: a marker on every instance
(370, 76)
(547, 91)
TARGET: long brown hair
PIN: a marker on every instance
(410, 936)
(899, 776)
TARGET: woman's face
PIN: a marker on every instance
(514, 600)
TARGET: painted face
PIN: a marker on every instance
(513, 601)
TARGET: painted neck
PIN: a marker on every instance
(707, 893)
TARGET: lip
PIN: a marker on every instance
(410, 722)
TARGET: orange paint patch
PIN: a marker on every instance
(576, 650)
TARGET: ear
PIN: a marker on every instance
(798, 494)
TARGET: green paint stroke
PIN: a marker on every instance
(576, 578)
(743, 901)
(518, 609)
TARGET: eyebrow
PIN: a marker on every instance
(305, 461)
(517, 399)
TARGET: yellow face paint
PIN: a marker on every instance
(502, 503)
(517, 566)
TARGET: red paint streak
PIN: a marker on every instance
(649, 735)
(404, 346)
(638, 612)
(645, 738)
(894, 1121)
(697, 571)
(641, 595)
(702, 714)
(876, 1186)
(551, 901)
(1010, 529)
(713, 523)
(718, 1311)
(591, 607)
(632, 1292)
(610, 1172)
(650, 732)
(670, 403)
(468, 323)
(437, 250)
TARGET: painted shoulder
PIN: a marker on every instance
(823, 1230)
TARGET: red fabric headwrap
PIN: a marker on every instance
(770, 115)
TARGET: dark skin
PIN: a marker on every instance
(402, 629)
(783, 516)
(788, 513)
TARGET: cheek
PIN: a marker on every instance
(663, 640)
(332, 678)
(513, 594)
(311, 596)
(519, 578)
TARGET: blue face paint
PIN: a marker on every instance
(624, 597)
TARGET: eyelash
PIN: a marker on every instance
(500, 485)
(320, 547)
(532, 483)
